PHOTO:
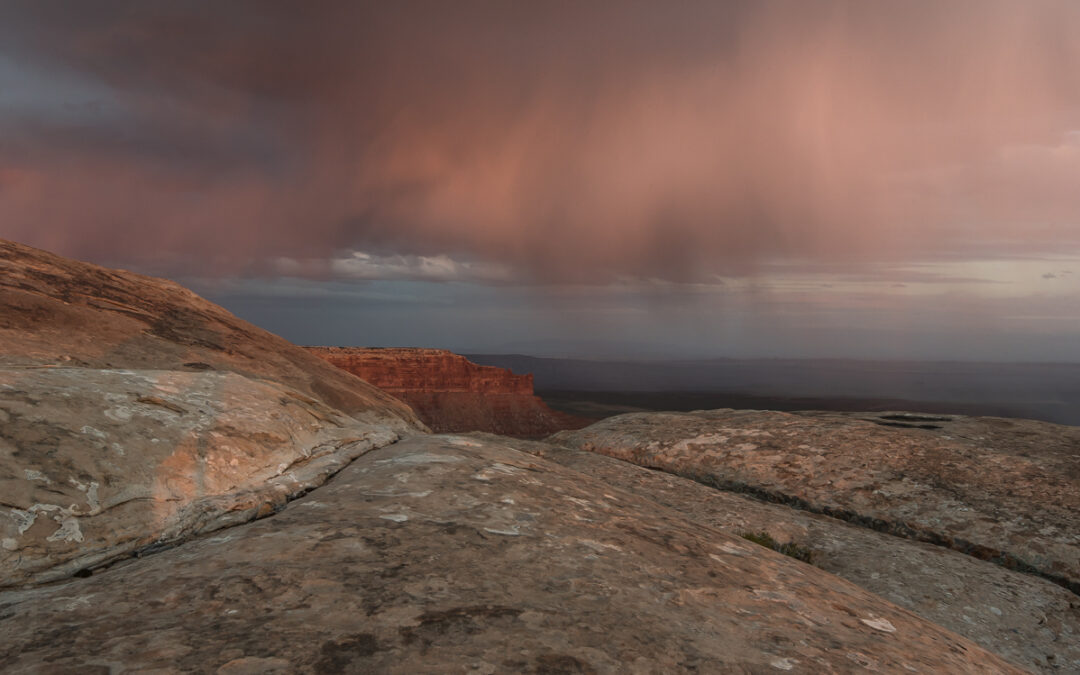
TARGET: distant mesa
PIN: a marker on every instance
(452, 394)
(400, 370)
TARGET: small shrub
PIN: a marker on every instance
(790, 549)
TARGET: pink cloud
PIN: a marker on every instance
(570, 143)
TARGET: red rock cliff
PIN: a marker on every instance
(424, 370)
(452, 394)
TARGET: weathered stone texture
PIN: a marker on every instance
(1031, 621)
(997, 489)
(447, 554)
(99, 464)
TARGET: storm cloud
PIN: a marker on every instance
(555, 142)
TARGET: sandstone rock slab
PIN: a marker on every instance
(1030, 621)
(99, 464)
(449, 554)
(997, 489)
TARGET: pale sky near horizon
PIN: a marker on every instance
(859, 178)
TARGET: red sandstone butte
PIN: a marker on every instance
(452, 394)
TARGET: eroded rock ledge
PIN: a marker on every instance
(1000, 490)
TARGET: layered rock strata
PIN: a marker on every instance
(452, 394)
(431, 370)
(446, 554)
(134, 413)
(1001, 490)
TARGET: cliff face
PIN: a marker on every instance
(452, 394)
(424, 370)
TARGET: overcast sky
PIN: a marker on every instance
(865, 178)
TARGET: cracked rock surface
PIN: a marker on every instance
(1030, 621)
(998, 489)
(97, 464)
(452, 554)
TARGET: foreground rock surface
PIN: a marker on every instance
(447, 554)
(98, 464)
(1030, 621)
(451, 393)
(133, 414)
(997, 489)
